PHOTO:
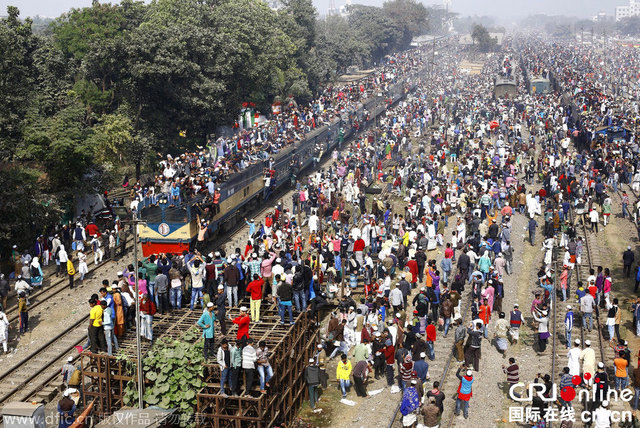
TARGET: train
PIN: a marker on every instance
(540, 85)
(174, 229)
(505, 87)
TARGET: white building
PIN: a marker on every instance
(626, 11)
(600, 17)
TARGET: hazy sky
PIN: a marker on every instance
(504, 8)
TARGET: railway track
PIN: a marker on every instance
(56, 286)
(31, 377)
(448, 380)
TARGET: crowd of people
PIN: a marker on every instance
(201, 172)
(455, 168)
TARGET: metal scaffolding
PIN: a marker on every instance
(104, 377)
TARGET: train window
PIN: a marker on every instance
(151, 214)
(245, 192)
(176, 215)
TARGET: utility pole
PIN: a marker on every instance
(134, 222)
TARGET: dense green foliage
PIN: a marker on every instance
(100, 90)
(173, 374)
(482, 39)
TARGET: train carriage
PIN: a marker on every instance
(174, 229)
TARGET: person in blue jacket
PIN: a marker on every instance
(206, 322)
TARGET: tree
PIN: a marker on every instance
(298, 21)
(17, 44)
(191, 66)
(408, 15)
(61, 145)
(24, 210)
(480, 36)
(375, 28)
(339, 42)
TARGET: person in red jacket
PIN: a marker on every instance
(413, 268)
(255, 291)
(431, 339)
(243, 321)
(390, 357)
(91, 229)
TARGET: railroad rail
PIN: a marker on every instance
(33, 373)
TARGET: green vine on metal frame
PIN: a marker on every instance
(173, 374)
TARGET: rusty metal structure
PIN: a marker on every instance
(104, 378)
(290, 347)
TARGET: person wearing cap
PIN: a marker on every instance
(410, 404)
(243, 320)
(313, 377)
(421, 367)
(96, 246)
(573, 359)
(22, 286)
(66, 409)
(220, 301)
(600, 384)
(532, 225)
(602, 415)
(588, 359)
(79, 237)
(67, 372)
(207, 323)
(255, 293)
(15, 258)
(568, 325)
(464, 391)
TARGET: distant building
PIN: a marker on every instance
(626, 11)
(600, 17)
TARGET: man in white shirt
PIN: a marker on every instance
(594, 217)
(395, 298)
(602, 416)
